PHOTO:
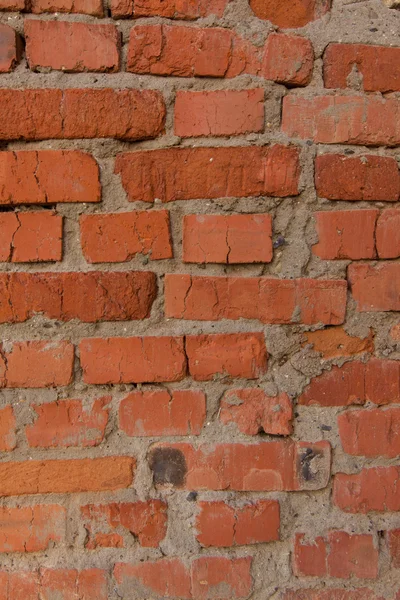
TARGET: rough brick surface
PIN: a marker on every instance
(268, 300)
(186, 174)
(48, 177)
(378, 66)
(72, 47)
(227, 239)
(199, 300)
(42, 114)
(119, 237)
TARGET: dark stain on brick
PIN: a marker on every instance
(168, 466)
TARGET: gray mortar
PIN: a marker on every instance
(290, 366)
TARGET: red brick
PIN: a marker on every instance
(48, 177)
(364, 120)
(66, 476)
(179, 51)
(47, 584)
(187, 174)
(146, 521)
(292, 13)
(394, 547)
(346, 234)
(89, 297)
(80, 113)
(66, 423)
(225, 112)
(64, 584)
(165, 578)
(382, 381)
(351, 555)
(370, 433)
(226, 355)
(180, 412)
(339, 177)
(223, 578)
(227, 239)
(10, 48)
(331, 594)
(388, 234)
(36, 364)
(8, 438)
(12, 5)
(376, 381)
(379, 67)
(395, 332)
(267, 466)
(253, 411)
(31, 529)
(309, 559)
(87, 7)
(375, 288)
(30, 237)
(179, 9)
(132, 360)
(288, 59)
(67, 46)
(335, 341)
(375, 489)
(118, 237)
(219, 524)
(341, 386)
(306, 301)
(340, 555)
(121, 9)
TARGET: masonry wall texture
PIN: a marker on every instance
(199, 299)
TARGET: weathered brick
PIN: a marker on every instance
(370, 432)
(288, 59)
(216, 113)
(346, 234)
(293, 13)
(340, 177)
(40, 114)
(66, 476)
(394, 547)
(335, 341)
(66, 423)
(48, 177)
(340, 555)
(227, 239)
(86, 7)
(30, 237)
(375, 288)
(165, 578)
(46, 584)
(377, 66)
(180, 412)
(219, 524)
(8, 437)
(388, 234)
(369, 490)
(171, 9)
(280, 465)
(132, 360)
(241, 355)
(36, 364)
(222, 578)
(31, 528)
(90, 297)
(10, 48)
(253, 411)
(67, 46)
(306, 301)
(147, 521)
(119, 237)
(364, 120)
(188, 174)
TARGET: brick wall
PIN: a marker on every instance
(199, 297)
